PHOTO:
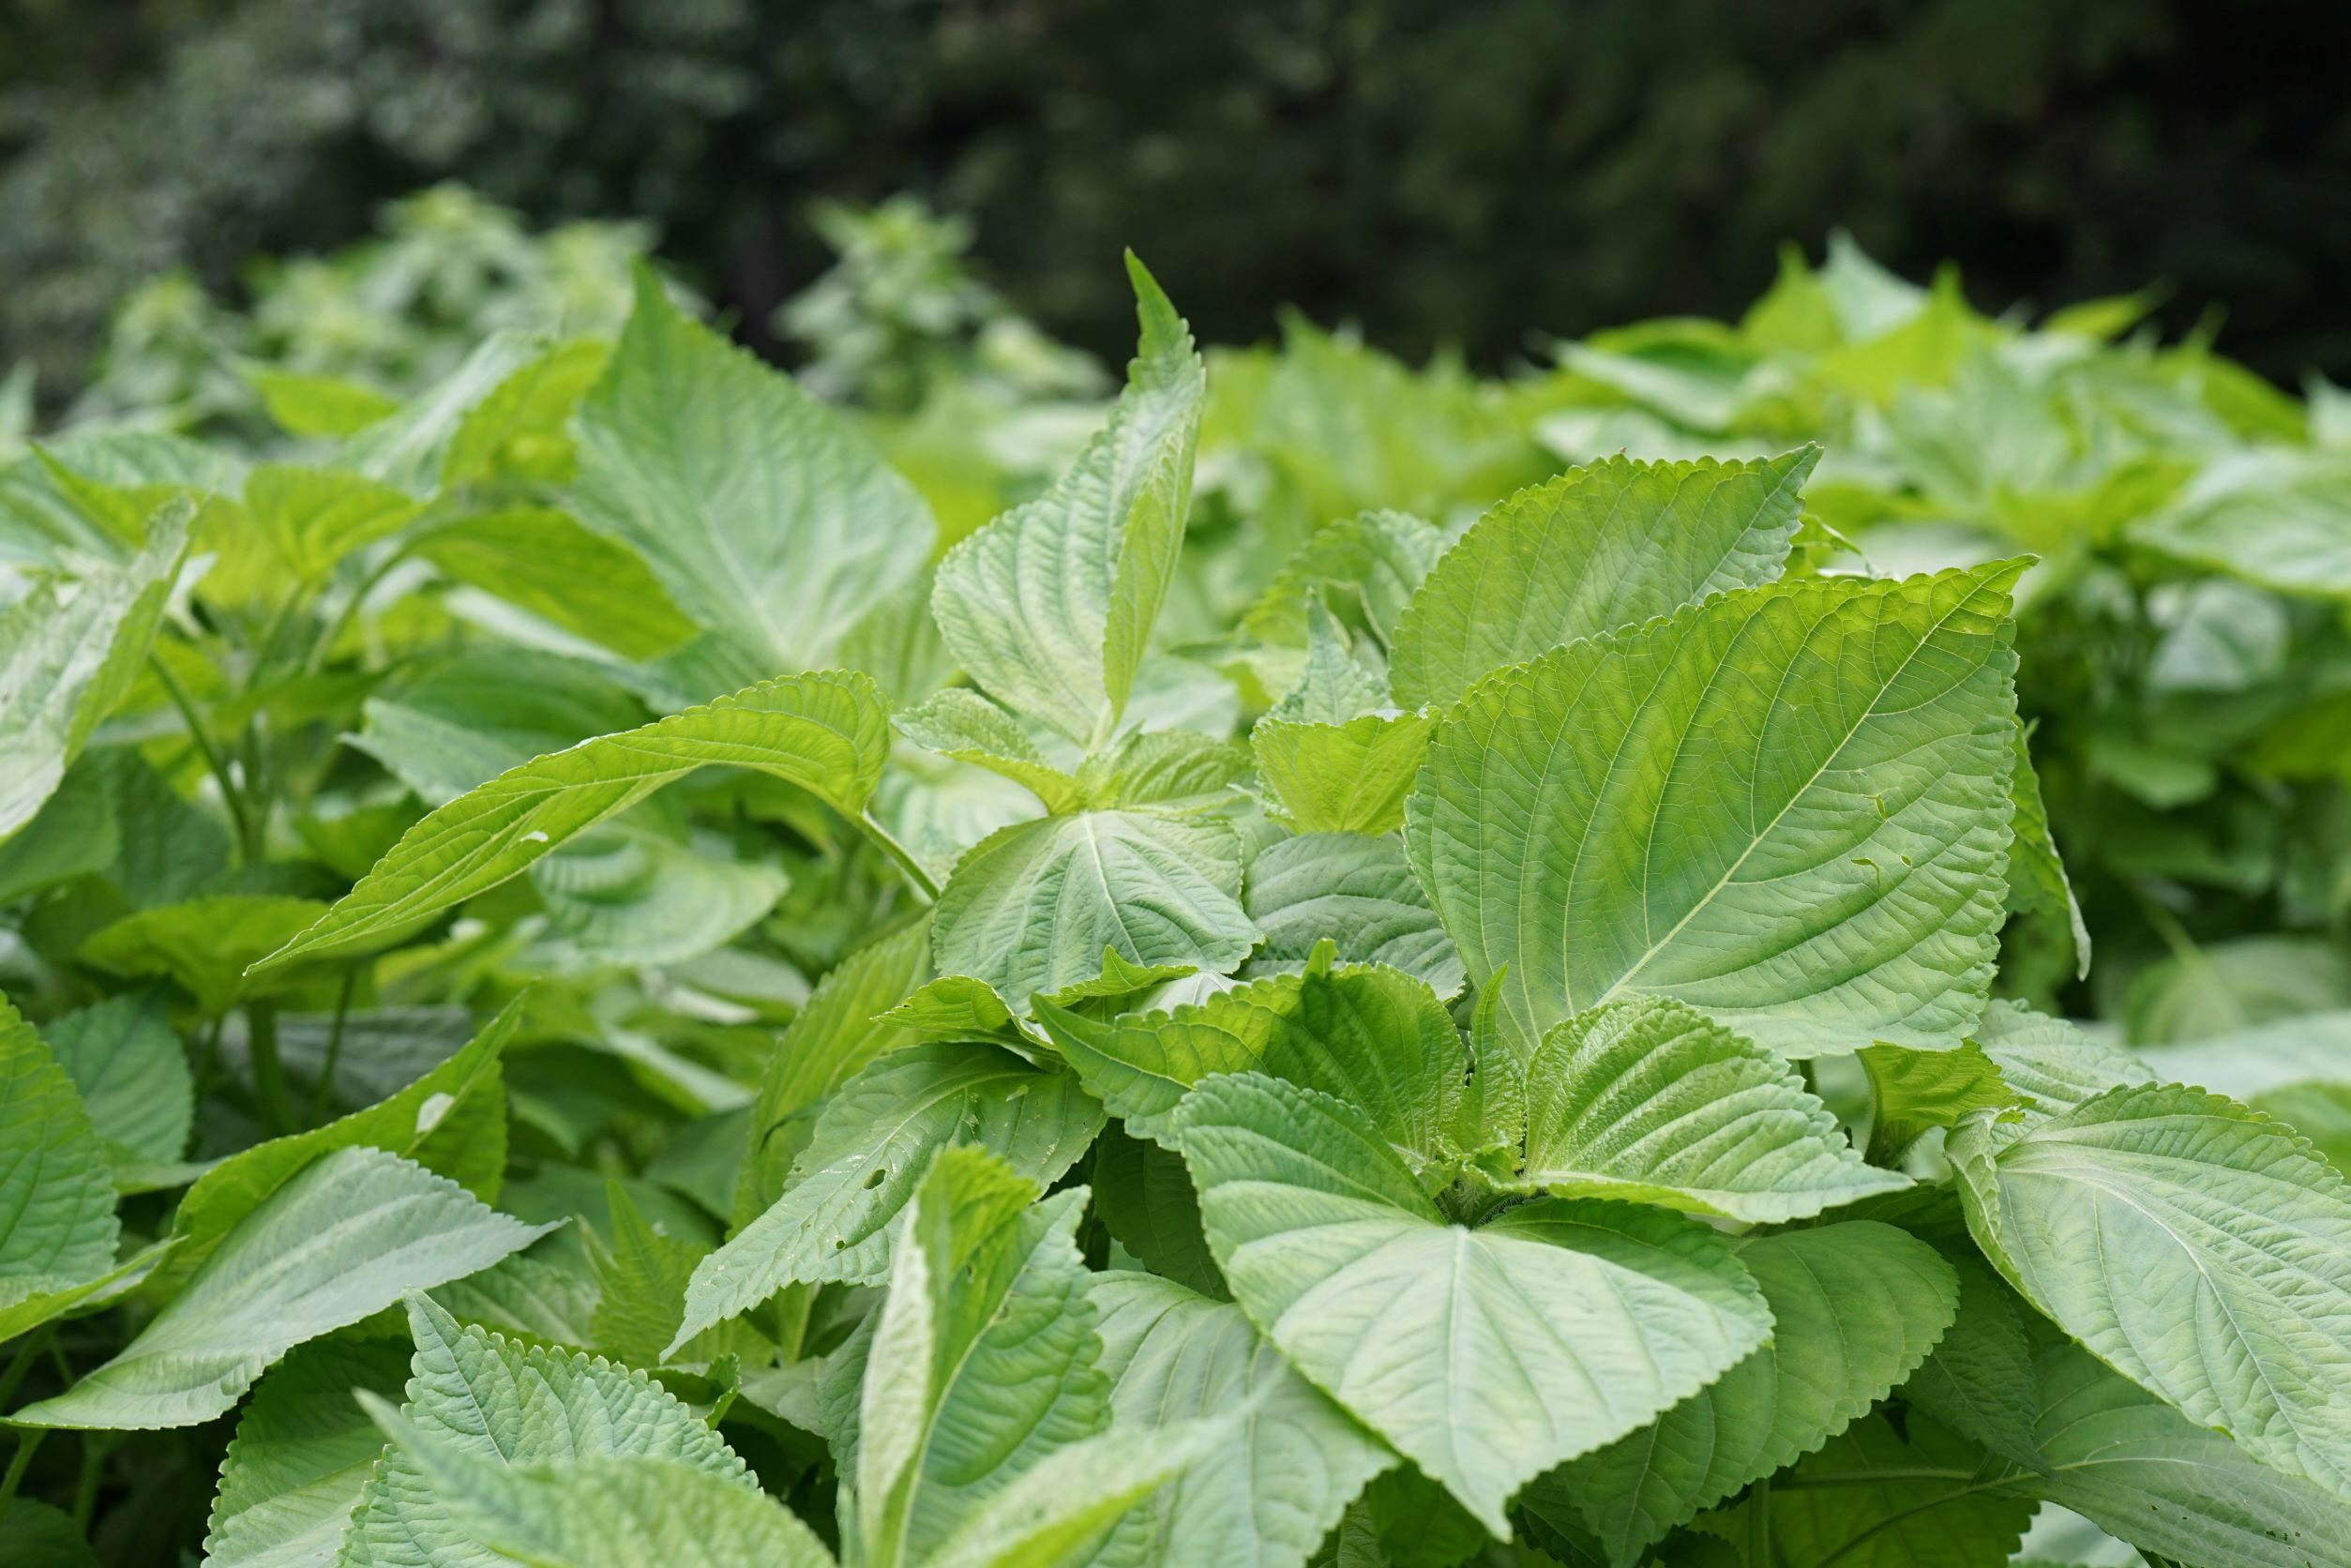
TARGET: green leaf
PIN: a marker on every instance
(1485, 1356)
(1611, 545)
(1142, 1194)
(1334, 687)
(518, 433)
(982, 1360)
(67, 653)
(58, 1226)
(204, 944)
(2191, 1245)
(1349, 778)
(830, 1040)
(544, 561)
(405, 449)
(1854, 1307)
(128, 1066)
(961, 723)
(1911, 1091)
(828, 733)
(2280, 522)
(771, 520)
(1061, 1513)
(1048, 607)
(332, 407)
(1284, 1461)
(1375, 1038)
(34, 1535)
(641, 1280)
(2037, 878)
(302, 1454)
(845, 1201)
(460, 723)
(314, 516)
(1369, 564)
(1978, 1379)
(1871, 1498)
(1650, 1101)
(1031, 906)
(2148, 1475)
(2052, 1064)
(452, 1120)
(1356, 892)
(496, 1403)
(617, 1513)
(1786, 806)
(340, 1241)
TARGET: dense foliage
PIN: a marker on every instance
(1443, 172)
(614, 963)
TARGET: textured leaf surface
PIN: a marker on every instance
(1284, 1461)
(1978, 1379)
(1854, 1307)
(964, 725)
(982, 1357)
(1485, 1356)
(2148, 1475)
(1911, 1091)
(202, 945)
(1142, 1194)
(771, 519)
(1787, 807)
(1610, 545)
(545, 561)
(1032, 907)
(339, 1242)
(846, 1199)
(68, 651)
(58, 1226)
(133, 1075)
(1377, 1038)
(452, 1120)
(1047, 608)
(828, 733)
(2053, 1064)
(498, 1403)
(1344, 777)
(1650, 1100)
(1357, 892)
(2193, 1245)
(303, 1452)
(1895, 1503)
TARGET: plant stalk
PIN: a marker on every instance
(269, 1074)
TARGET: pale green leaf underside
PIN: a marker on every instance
(771, 520)
(1609, 545)
(339, 1241)
(983, 1358)
(1485, 1356)
(1032, 907)
(2147, 1474)
(845, 1200)
(1049, 606)
(132, 1075)
(2052, 1064)
(1285, 1459)
(829, 733)
(1786, 806)
(1652, 1100)
(2196, 1246)
(1854, 1307)
(303, 1452)
(496, 1402)
(1356, 892)
(66, 652)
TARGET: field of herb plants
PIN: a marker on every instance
(1725, 951)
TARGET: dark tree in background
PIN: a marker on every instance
(1441, 170)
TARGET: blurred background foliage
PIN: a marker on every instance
(1445, 172)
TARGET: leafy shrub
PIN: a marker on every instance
(1093, 1039)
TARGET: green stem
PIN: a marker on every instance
(208, 1056)
(324, 646)
(322, 1094)
(897, 852)
(1759, 1524)
(21, 1363)
(269, 1074)
(28, 1439)
(94, 1450)
(230, 794)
